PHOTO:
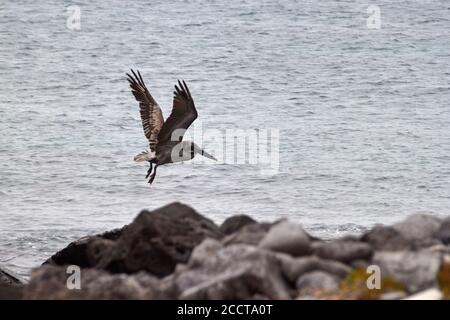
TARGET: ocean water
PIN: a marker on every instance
(363, 114)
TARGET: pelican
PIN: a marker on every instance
(166, 143)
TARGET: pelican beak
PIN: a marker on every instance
(207, 155)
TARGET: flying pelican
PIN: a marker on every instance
(165, 138)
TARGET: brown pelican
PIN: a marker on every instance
(165, 138)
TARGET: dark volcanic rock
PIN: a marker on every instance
(11, 285)
(235, 272)
(85, 252)
(344, 251)
(156, 241)
(50, 282)
(443, 234)
(234, 223)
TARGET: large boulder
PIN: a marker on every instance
(234, 223)
(234, 272)
(157, 240)
(343, 251)
(51, 282)
(385, 238)
(293, 268)
(250, 234)
(416, 270)
(418, 227)
(87, 251)
(286, 237)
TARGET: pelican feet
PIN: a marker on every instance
(153, 175)
(149, 170)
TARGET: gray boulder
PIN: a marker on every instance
(286, 237)
(250, 234)
(311, 281)
(293, 268)
(416, 270)
(206, 249)
(385, 238)
(50, 282)
(418, 227)
(235, 272)
(344, 251)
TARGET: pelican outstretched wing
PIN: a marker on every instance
(151, 115)
(182, 115)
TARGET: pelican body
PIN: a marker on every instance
(166, 143)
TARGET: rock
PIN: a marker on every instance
(235, 272)
(11, 285)
(312, 281)
(286, 237)
(429, 294)
(250, 234)
(344, 251)
(203, 251)
(443, 234)
(293, 268)
(234, 223)
(50, 282)
(385, 238)
(85, 252)
(416, 270)
(156, 241)
(418, 227)
(7, 277)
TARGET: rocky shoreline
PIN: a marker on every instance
(175, 253)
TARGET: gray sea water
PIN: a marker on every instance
(363, 114)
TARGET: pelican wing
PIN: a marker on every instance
(151, 115)
(182, 115)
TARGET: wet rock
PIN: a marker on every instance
(443, 234)
(250, 234)
(416, 270)
(157, 240)
(315, 280)
(235, 272)
(234, 223)
(293, 268)
(286, 237)
(50, 282)
(344, 251)
(418, 227)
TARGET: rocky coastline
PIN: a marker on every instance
(176, 253)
